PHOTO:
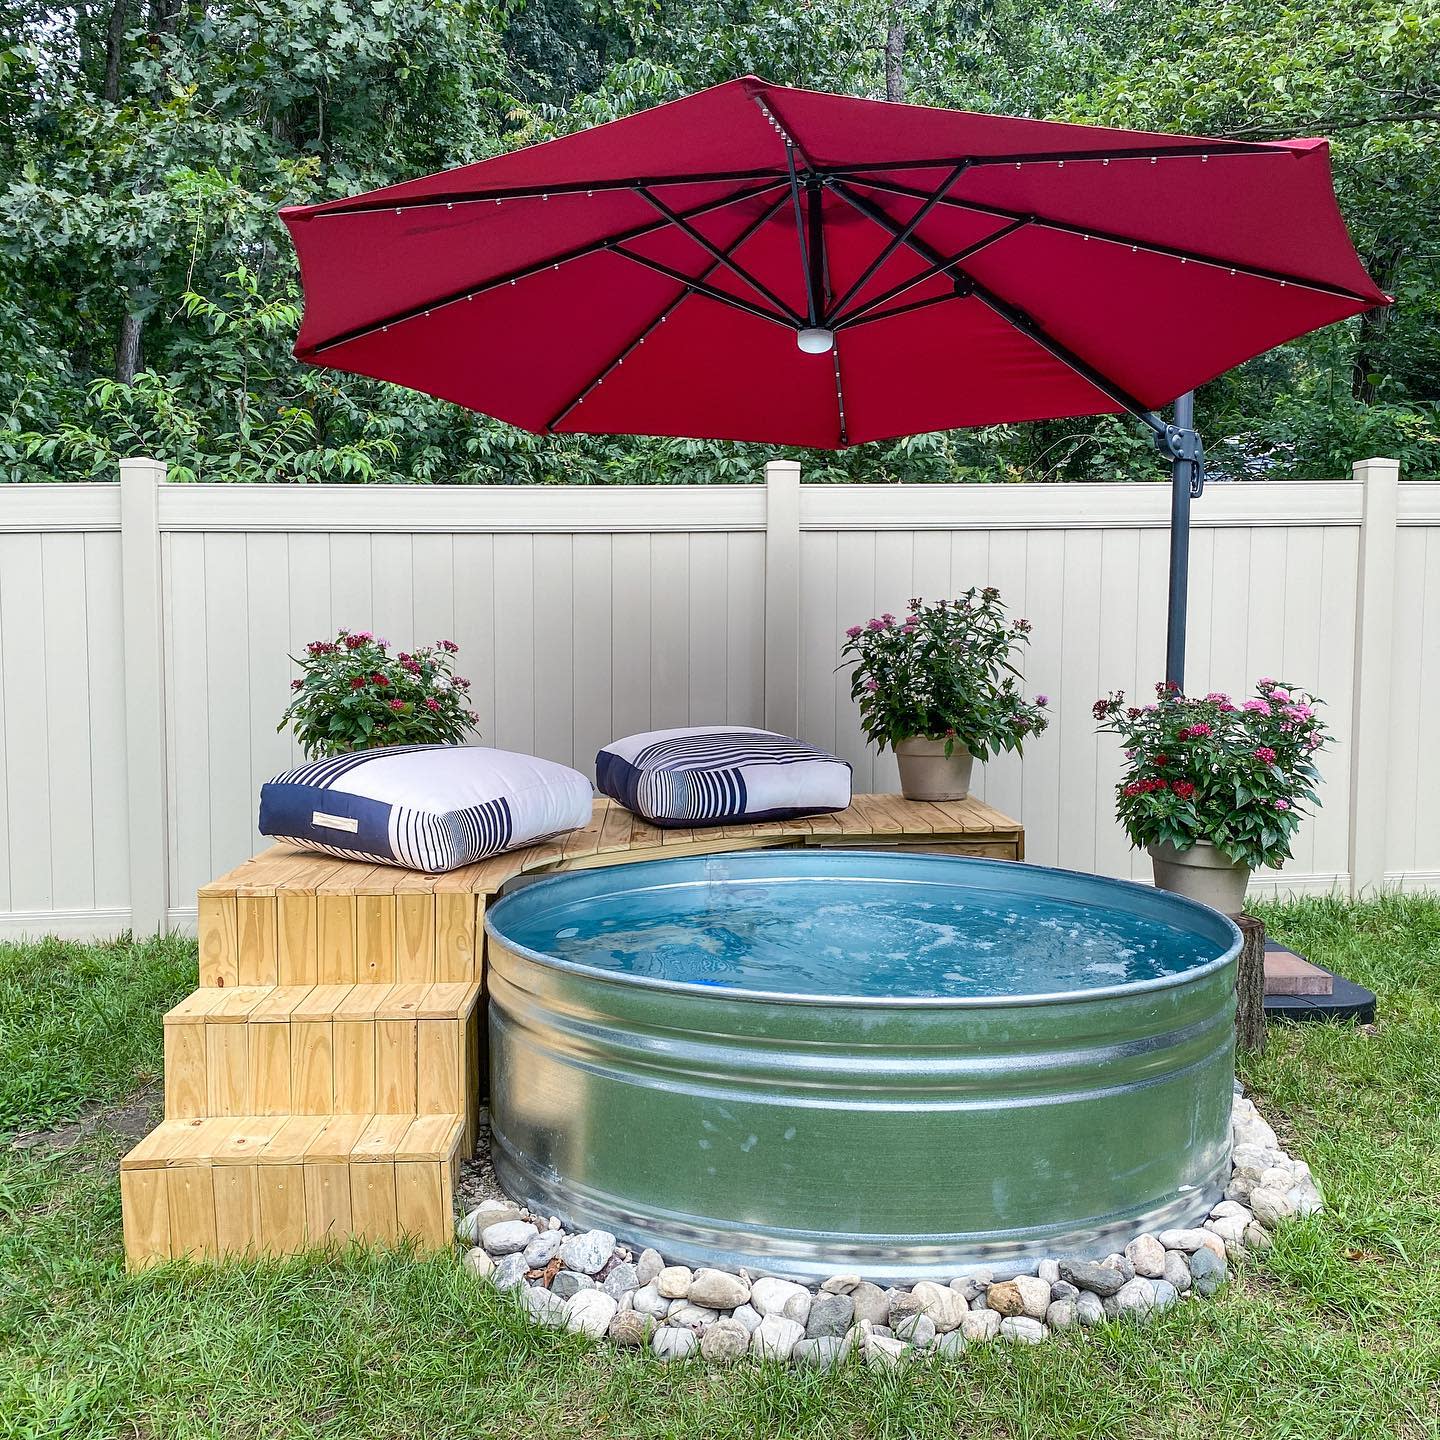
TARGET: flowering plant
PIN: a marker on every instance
(1209, 769)
(945, 672)
(355, 695)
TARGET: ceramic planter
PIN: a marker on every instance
(927, 773)
(1201, 873)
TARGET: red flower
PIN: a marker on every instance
(1194, 732)
(1132, 789)
(356, 682)
(1265, 754)
(1159, 759)
(432, 703)
(1183, 788)
(380, 679)
(296, 684)
(397, 704)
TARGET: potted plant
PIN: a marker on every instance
(1213, 789)
(355, 695)
(942, 689)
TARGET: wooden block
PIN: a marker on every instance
(422, 1206)
(227, 1069)
(235, 1006)
(186, 1066)
(237, 1210)
(329, 1219)
(427, 1137)
(145, 1214)
(335, 916)
(271, 1069)
(454, 935)
(375, 939)
(298, 961)
(247, 1140)
(440, 1067)
(1287, 973)
(195, 1006)
(215, 932)
(190, 1195)
(312, 1067)
(414, 936)
(354, 1050)
(281, 1192)
(259, 960)
(373, 1216)
(395, 1061)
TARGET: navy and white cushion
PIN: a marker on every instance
(427, 807)
(709, 774)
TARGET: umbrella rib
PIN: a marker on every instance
(601, 375)
(839, 394)
(1205, 149)
(929, 300)
(1109, 237)
(859, 315)
(723, 257)
(701, 288)
(896, 241)
(511, 277)
(1019, 319)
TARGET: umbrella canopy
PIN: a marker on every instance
(762, 263)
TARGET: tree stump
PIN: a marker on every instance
(1250, 986)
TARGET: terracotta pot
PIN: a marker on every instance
(927, 773)
(1201, 873)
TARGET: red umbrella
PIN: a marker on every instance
(937, 269)
(761, 263)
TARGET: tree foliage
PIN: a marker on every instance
(149, 294)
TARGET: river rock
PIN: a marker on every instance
(489, 1212)
(630, 1327)
(1257, 1238)
(1061, 1315)
(673, 1282)
(771, 1296)
(1208, 1271)
(588, 1251)
(951, 1343)
(1165, 1294)
(917, 1329)
(1187, 1240)
(1087, 1275)
(884, 1352)
(544, 1308)
(1048, 1271)
(649, 1265)
(569, 1283)
(724, 1342)
(479, 1263)
(830, 1315)
(509, 1272)
(1089, 1309)
(1135, 1297)
(945, 1307)
(1022, 1330)
(590, 1313)
(822, 1352)
(670, 1342)
(871, 1303)
(980, 1324)
(748, 1316)
(775, 1336)
(1024, 1295)
(1063, 1290)
(1271, 1205)
(840, 1284)
(718, 1289)
(692, 1317)
(1147, 1255)
(507, 1237)
(622, 1280)
(649, 1301)
(543, 1248)
(1177, 1270)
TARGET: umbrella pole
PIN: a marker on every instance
(1182, 476)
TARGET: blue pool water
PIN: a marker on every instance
(856, 936)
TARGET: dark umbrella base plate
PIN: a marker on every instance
(1346, 1001)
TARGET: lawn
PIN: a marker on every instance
(1334, 1335)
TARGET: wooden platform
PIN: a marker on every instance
(324, 1080)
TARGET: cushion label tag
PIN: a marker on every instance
(335, 822)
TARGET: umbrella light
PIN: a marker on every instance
(769, 264)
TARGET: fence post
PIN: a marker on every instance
(144, 646)
(1370, 714)
(782, 596)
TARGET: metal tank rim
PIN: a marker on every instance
(1207, 919)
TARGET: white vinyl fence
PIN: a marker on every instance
(145, 630)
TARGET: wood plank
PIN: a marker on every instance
(259, 954)
(312, 1067)
(190, 1196)
(395, 1066)
(430, 1137)
(280, 1190)
(234, 1007)
(373, 1217)
(353, 1042)
(335, 938)
(215, 933)
(271, 1063)
(375, 938)
(194, 1007)
(422, 1206)
(297, 961)
(329, 1219)
(153, 1150)
(614, 828)
(145, 1216)
(227, 1069)
(587, 840)
(455, 947)
(237, 1210)
(414, 935)
(440, 1067)
(247, 1140)
(186, 1087)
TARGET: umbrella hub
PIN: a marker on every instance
(815, 340)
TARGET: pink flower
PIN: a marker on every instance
(888, 618)
(1218, 697)
(854, 630)
(397, 704)
(1194, 732)
(1258, 707)
(1264, 683)
(872, 686)
(1280, 693)
(1297, 712)
(296, 684)
(432, 703)
(1265, 755)
(874, 624)
(1042, 701)
(449, 645)
(1282, 804)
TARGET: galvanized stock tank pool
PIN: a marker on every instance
(814, 1061)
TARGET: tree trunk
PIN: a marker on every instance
(895, 54)
(1250, 987)
(127, 349)
(114, 46)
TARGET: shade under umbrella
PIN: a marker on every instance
(762, 263)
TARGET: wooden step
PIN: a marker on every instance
(324, 1049)
(206, 1189)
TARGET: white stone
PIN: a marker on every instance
(1135, 1297)
(840, 1284)
(724, 1342)
(682, 1312)
(980, 1324)
(771, 1296)
(1048, 1271)
(1147, 1255)
(917, 1329)
(719, 1289)
(649, 1265)
(589, 1312)
(775, 1337)
(508, 1237)
(1023, 1330)
(479, 1263)
(544, 1308)
(1231, 1209)
(587, 1252)
(1271, 1205)
(1187, 1240)
(1177, 1270)
(670, 1342)
(543, 1249)
(485, 1214)
(673, 1282)
(945, 1307)
(649, 1301)
(883, 1351)
(748, 1316)
(1089, 1309)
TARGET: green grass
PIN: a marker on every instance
(1336, 1334)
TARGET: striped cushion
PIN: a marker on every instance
(426, 807)
(708, 775)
